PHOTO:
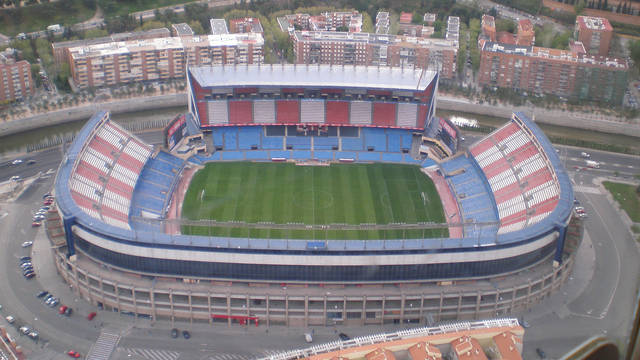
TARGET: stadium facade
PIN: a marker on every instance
(507, 198)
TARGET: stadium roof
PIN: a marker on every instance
(312, 75)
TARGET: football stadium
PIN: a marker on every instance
(308, 177)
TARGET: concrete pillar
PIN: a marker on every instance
(267, 311)
(478, 297)
(459, 305)
(190, 308)
(228, 310)
(440, 307)
(402, 304)
(306, 311)
(363, 315)
(75, 278)
(384, 298)
(135, 303)
(421, 320)
(117, 291)
(102, 290)
(324, 310)
(152, 299)
(171, 305)
(209, 307)
(344, 309)
(286, 310)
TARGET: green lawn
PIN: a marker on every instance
(285, 193)
(627, 197)
(38, 17)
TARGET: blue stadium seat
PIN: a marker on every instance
(392, 157)
(323, 155)
(272, 142)
(375, 138)
(231, 140)
(324, 143)
(249, 136)
(299, 142)
(369, 156)
(257, 155)
(352, 144)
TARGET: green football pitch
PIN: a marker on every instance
(284, 193)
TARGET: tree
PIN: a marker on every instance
(417, 18)
(634, 51)
(196, 27)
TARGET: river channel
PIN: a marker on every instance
(20, 143)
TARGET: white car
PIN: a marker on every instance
(16, 162)
(585, 155)
(10, 319)
(27, 244)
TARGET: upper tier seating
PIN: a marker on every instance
(521, 178)
(106, 174)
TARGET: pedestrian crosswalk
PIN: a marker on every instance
(104, 346)
(151, 354)
(223, 356)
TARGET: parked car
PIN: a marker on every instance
(10, 319)
(33, 335)
(25, 330)
(62, 309)
(68, 311)
(36, 224)
(30, 275)
(344, 337)
(42, 294)
(174, 333)
(186, 334)
(541, 353)
(27, 244)
(73, 354)
(31, 162)
(16, 162)
(91, 316)
(25, 259)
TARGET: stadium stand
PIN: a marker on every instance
(287, 112)
(337, 112)
(240, 112)
(407, 113)
(360, 112)
(374, 138)
(264, 111)
(384, 114)
(104, 178)
(248, 137)
(521, 178)
(312, 111)
(217, 112)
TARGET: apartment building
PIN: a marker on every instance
(595, 33)
(342, 48)
(488, 28)
(245, 25)
(453, 30)
(15, 78)
(566, 73)
(383, 22)
(326, 21)
(526, 35)
(158, 59)
(182, 29)
(60, 48)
